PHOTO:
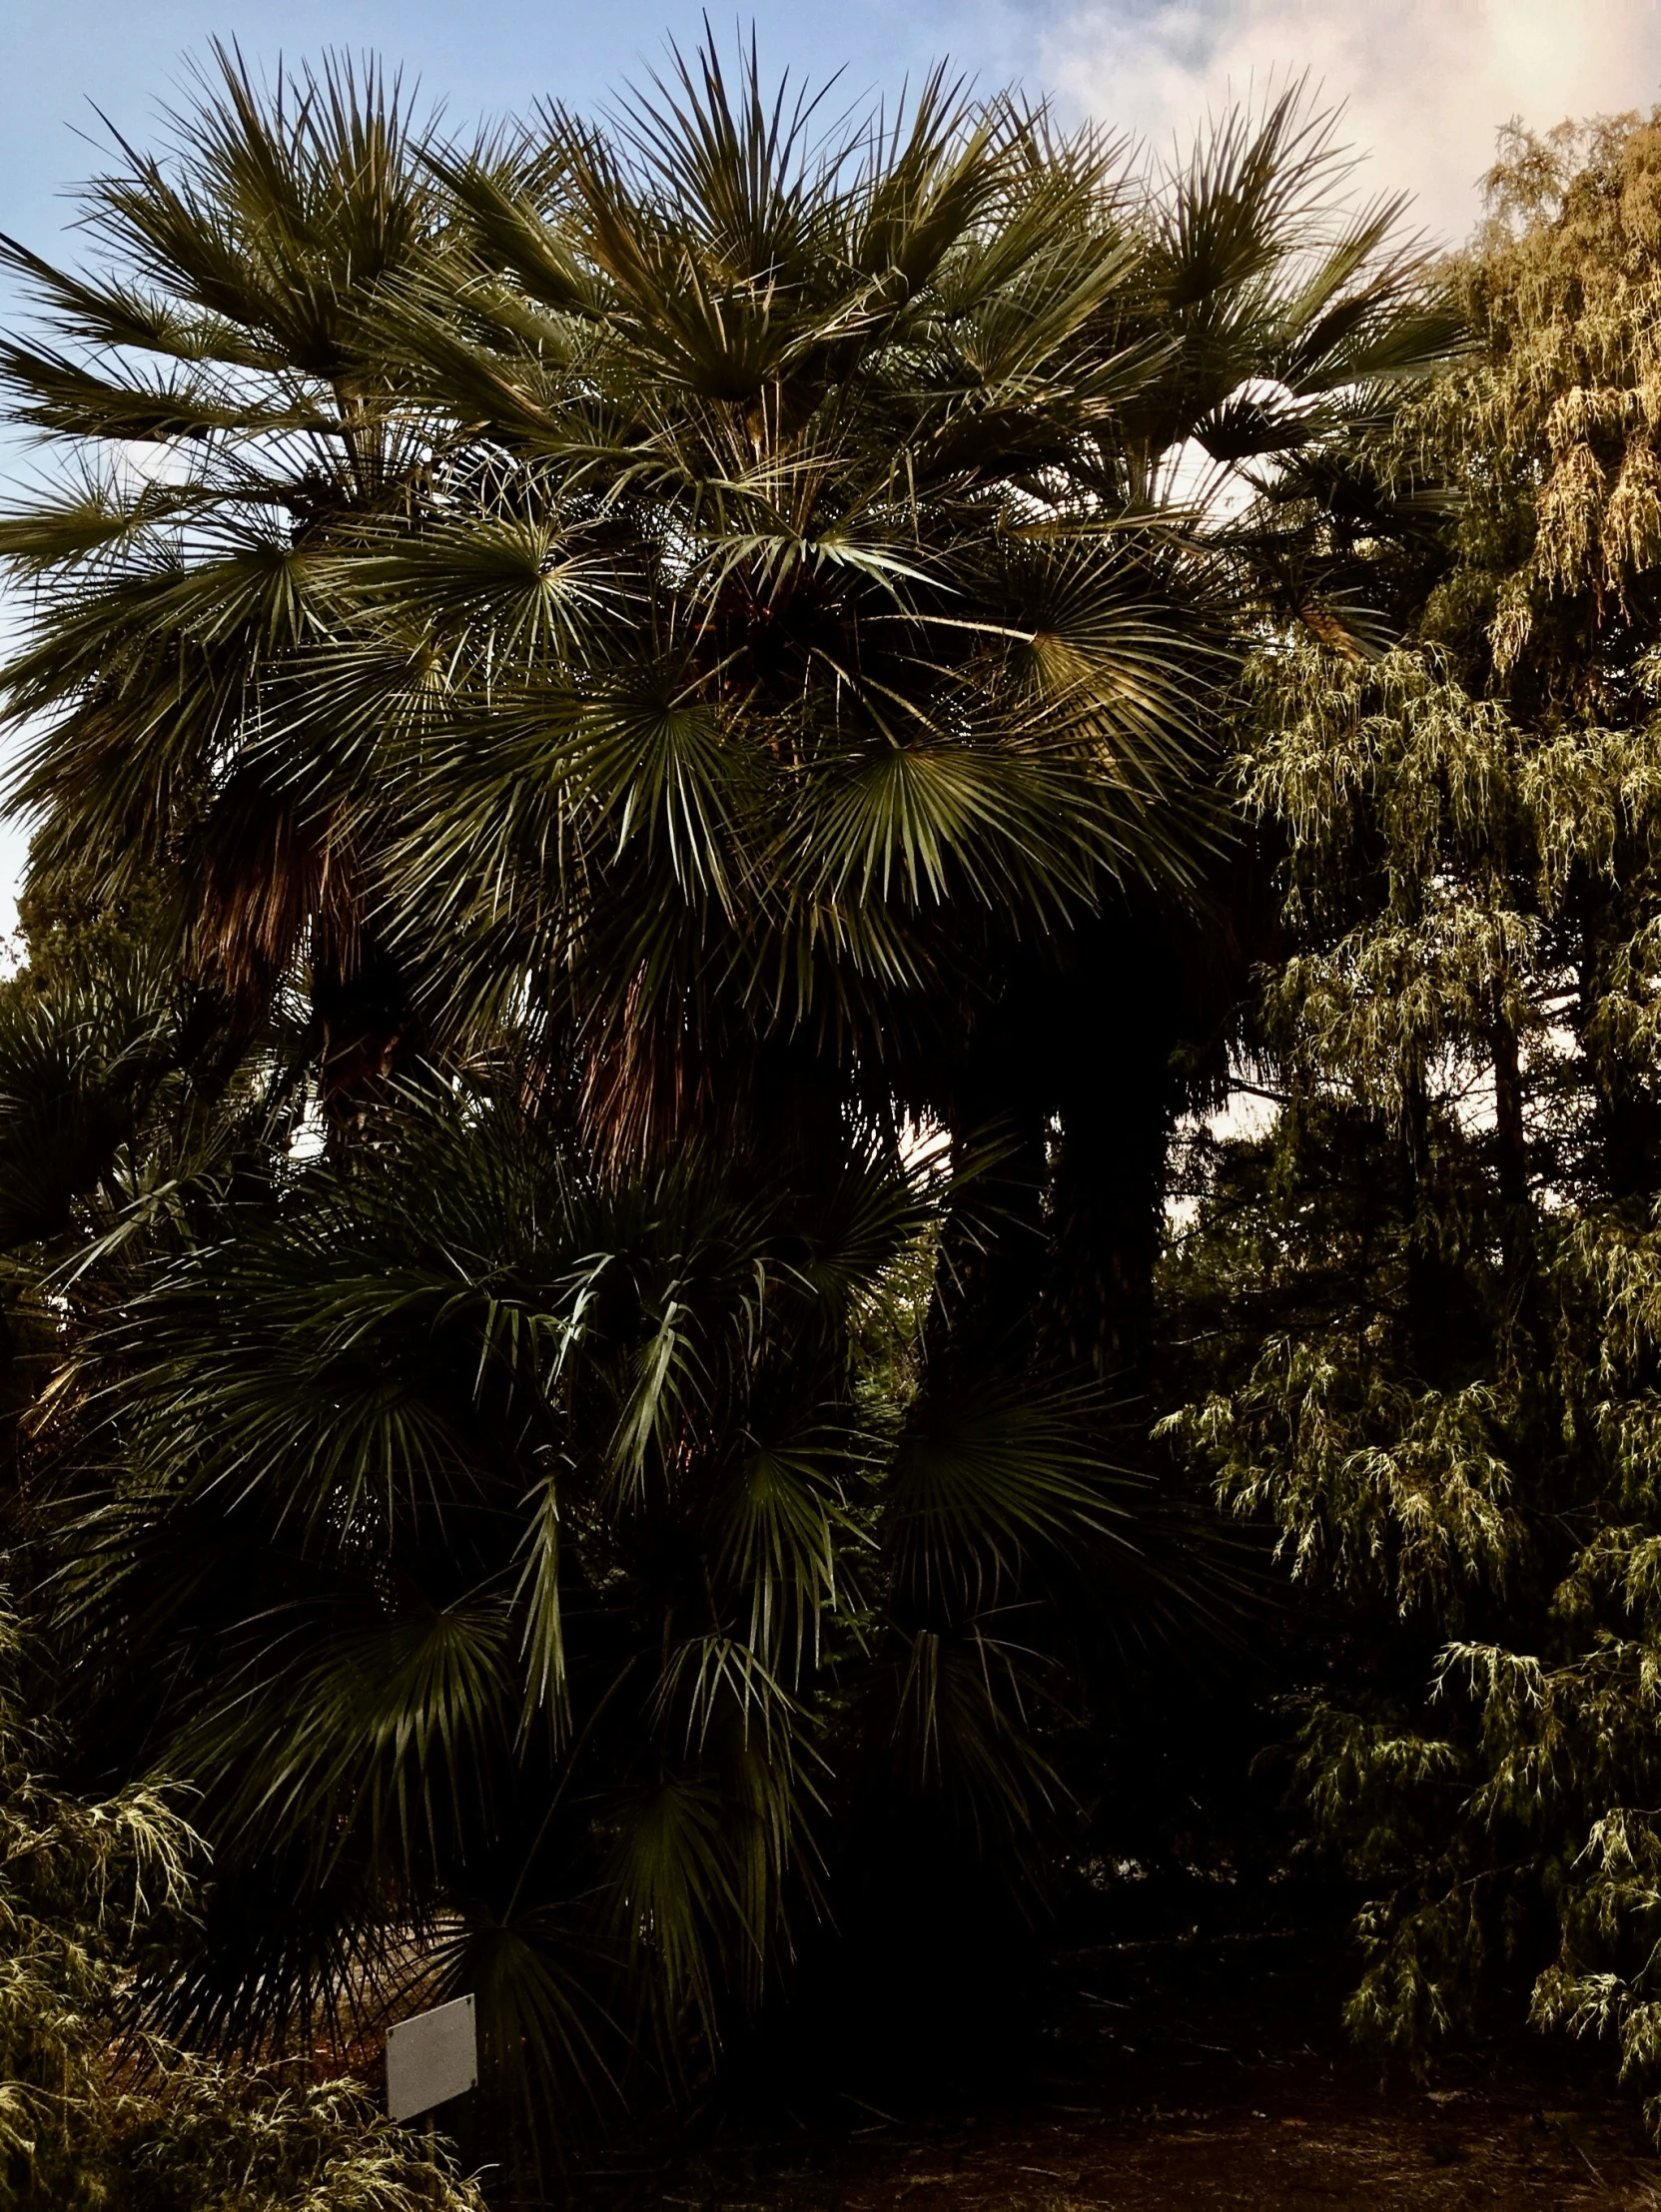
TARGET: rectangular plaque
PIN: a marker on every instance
(430, 2058)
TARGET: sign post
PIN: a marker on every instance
(430, 2058)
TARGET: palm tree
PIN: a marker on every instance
(717, 587)
(210, 427)
(868, 651)
(674, 656)
(534, 1570)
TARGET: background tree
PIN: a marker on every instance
(1428, 1351)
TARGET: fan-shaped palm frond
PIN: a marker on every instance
(706, 558)
(503, 1542)
(172, 593)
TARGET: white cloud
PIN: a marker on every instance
(1425, 84)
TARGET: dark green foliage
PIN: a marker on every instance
(525, 1565)
(726, 593)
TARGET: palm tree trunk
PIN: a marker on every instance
(1074, 1069)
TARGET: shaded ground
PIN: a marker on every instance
(1199, 2072)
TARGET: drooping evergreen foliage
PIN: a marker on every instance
(1431, 1289)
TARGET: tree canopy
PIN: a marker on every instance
(676, 761)
(1431, 1289)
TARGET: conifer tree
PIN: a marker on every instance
(1429, 1301)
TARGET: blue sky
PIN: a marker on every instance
(1425, 82)
(65, 58)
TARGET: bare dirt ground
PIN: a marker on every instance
(1313, 2157)
(1206, 2073)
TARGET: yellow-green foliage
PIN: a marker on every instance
(97, 2112)
(1439, 1372)
(1553, 428)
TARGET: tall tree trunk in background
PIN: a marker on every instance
(1426, 1315)
(363, 1026)
(1512, 1165)
(1109, 1205)
(1628, 1109)
(1130, 1002)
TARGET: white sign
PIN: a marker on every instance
(430, 2058)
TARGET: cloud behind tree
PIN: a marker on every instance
(1424, 83)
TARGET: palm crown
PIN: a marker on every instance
(713, 570)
